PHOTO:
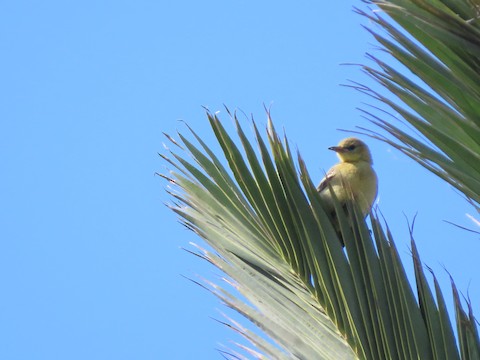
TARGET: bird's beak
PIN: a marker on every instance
(337, 149)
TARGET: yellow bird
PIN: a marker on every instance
(353, 175)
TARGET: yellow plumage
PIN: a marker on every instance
(354, 174)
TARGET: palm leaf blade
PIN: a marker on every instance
(440, 43)
(272, 237)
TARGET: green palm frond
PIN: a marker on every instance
(264, 220)
(439, 42)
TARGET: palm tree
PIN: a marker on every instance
(263, 216)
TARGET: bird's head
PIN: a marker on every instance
(352, 150)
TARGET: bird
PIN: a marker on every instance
(353, 178)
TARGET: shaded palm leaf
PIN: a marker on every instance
(439, 42)
(264, 219)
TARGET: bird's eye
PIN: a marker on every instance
(351, 148)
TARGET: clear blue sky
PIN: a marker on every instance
(90, 258)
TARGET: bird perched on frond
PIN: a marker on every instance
(353, 177)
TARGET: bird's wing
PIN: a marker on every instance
(328, 177)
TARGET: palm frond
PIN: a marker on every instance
(286, 270)
(439, 42)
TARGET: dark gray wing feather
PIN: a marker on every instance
(328, 177)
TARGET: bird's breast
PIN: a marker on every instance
(358, 179)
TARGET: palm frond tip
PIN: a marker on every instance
(265, 221)
(439, 43)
